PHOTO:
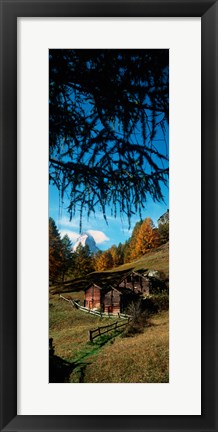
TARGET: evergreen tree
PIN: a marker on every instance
(120, 252)
(163, 229)
(67, 255)
(83, 262)
(56, 257)
(126, 251)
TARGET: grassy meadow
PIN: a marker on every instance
(111, 358)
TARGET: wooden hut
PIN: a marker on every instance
(108, 299)
(111, 301)
(136, 282)
(93, 296)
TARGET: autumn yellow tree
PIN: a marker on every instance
(148, 237)
(103, 261)
(117, 254)
(133, 241)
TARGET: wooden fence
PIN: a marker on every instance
(68, 300)
(95, 312)
(105, 329)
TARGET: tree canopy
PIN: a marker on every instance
(108, 128)
(55, 252)
(60, 254)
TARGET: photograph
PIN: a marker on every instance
(109, 216)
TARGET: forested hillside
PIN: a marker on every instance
(67, 263)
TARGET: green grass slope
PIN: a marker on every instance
(111, 358)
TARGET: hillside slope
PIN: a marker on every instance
(157, 259)
(143, 358)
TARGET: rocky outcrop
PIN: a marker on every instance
(164, 218)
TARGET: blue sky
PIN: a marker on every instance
(117, 230)
(105, 235)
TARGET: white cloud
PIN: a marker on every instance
(98, 236)
(73, 236)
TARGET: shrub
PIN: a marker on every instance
(156, 303)
(161, 301)
(149, 306)
(138, 321)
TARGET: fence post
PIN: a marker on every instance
(90, 336)
(51, 346)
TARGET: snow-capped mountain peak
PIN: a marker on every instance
(86, 239)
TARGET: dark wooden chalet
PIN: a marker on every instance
(116, 300)
(108, 299)
(93, 296)
(136, 282)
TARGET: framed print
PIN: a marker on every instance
(113, 51)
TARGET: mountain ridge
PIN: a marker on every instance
(86, 239)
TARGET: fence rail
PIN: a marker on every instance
(68, 300)
(95, 312)
(105, 329)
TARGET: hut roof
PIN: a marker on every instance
(136, 273)
(125, 291)
(104, 287)
(90, 284)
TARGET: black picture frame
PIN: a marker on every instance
(10, 11)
